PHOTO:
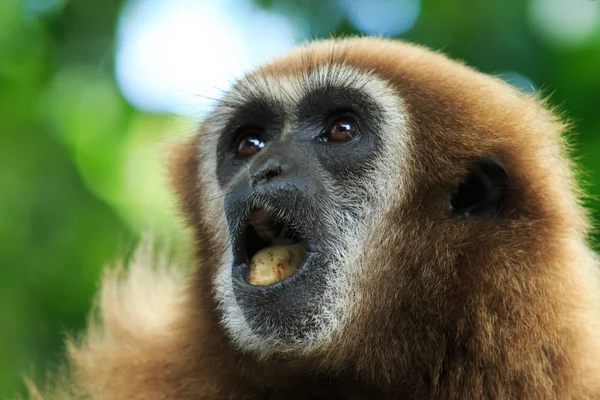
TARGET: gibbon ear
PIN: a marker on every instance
(481, 194)
(183, 170)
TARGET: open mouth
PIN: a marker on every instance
(273, 249)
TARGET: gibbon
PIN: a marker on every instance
(371, 220)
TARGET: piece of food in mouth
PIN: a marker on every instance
(279, 255)
(275, 263)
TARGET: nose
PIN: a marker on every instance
(265, 169)
(280, 172)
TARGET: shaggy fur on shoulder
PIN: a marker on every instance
(136, 314)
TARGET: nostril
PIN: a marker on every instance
(267, 172)
(271, 172)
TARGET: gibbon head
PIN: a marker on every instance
(362, 195)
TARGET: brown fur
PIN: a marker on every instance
(504, 309)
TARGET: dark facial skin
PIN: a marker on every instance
(330, 136)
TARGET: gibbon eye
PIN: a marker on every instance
(249, 145)
(341, 131)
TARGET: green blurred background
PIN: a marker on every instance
(92, 92)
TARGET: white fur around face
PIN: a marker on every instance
(343, 294)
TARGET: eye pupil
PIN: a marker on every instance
(342, 131)
(249, 146)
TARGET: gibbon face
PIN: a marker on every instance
(375, 208)
(311, 159)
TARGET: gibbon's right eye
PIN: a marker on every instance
(249, 144)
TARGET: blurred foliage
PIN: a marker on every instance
(80, 169)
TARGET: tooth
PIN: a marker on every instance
(275, 263)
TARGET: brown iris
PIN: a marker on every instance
(249, 145)
(342, 130)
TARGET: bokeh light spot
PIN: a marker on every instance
(36, 7)
(382, 17)
(521, 82)
(565, 23)
(177, 55)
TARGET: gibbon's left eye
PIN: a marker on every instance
(341, 130)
